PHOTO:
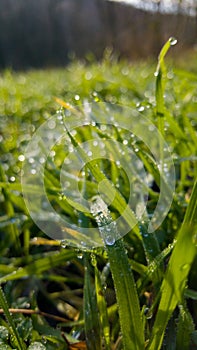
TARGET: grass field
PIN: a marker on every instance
(135, 292)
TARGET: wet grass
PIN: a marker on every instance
(138, 292)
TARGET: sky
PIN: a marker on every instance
(166, 5)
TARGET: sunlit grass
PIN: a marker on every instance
(158, 272)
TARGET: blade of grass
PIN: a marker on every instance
(126, 293)
(111, 192)
(17, 341)
(91, 317)
(159, 93)
(101, 306)
(173, 285)
(39, 266)
(9, 211)
(127, 298)
(185, 328)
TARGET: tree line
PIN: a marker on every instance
(49, 32)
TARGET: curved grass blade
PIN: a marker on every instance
(159, 93)
(173, 286)
(118, 201)
(160, 71)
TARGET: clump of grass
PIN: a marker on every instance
(142, 287)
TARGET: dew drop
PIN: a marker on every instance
(67, 184)
(109, 240)
(21, 158)
(63, 244)
(51, 124)
(125, 142)
(73, 132)
(172, 41)
(42, 160)
(141, 109)
(88, 75)
(67, 113)
(93, 260)
(52, 153)
(71, 148)
(151, 127)
(103, 127)
(125, 71)
(95, 143)
(83, 245)
(147, 313)
(31, 160)
(67, 161)
(59, 117)
(12, 178)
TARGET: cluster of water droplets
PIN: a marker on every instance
(104, 121)
(107, 227)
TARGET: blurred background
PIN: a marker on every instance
(47, 33)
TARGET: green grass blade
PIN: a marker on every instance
(102, 307)
(159, 93)
(173, 285)
(185, 328)
(91, 317)
(127, 298)
(17, 341)
(126, 292)
(152, 268)
(159, 77)
(9, 209)
(111, 192)
(39, 266)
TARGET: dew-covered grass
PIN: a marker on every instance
(135, 292)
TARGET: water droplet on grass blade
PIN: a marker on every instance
(77, 97)
(36, 346)
(172, 41)
(141, 108)
(21, 158)
(93, 260)
(125, 142)
(109, 240)
(12, 178)
(185, 267)
(64, 244)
